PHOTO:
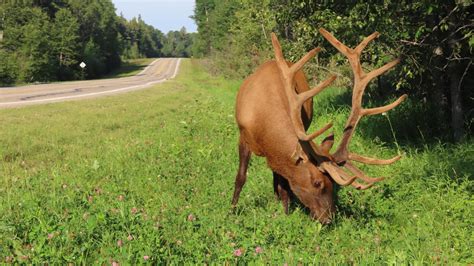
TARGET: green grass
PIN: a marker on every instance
(130, 68)
(157, 166)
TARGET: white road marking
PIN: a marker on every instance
(98, 93)
(147, 67)
(176, 69)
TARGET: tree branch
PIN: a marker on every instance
(464, 74)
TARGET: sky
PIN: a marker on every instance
(164, 15)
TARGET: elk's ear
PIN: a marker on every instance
(299, 155)
(327, 143)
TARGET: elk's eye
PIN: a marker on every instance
(317, 184)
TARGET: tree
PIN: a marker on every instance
(202, 13)
(139, 39)
(26, 39)
(177, 44)
(94, 59)
(65, 42)
(433, 38)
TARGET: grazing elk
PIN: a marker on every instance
(273, 111)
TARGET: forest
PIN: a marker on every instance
(433, 39)
(46, 40)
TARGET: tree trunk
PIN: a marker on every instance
(439, 100)
(457, 124)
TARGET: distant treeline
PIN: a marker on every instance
(434, 40)
(45, 40)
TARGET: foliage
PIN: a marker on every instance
(433, 38)
(94, 58)
(202, 12)
(8, 69)
(435, 50)
(234, 34)
(139, 39)
(178, 43)
(140, 175)
(65, 42)
(29, 41)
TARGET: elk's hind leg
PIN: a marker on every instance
(282, 190)
(244, 158)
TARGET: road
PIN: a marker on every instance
(158, 71)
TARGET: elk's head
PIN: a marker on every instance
(315, 190)
(320, 168)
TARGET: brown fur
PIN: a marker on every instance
(266, 129)
(269, 128)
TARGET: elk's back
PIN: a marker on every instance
(262, 112)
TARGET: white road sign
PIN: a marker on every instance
(82, 65)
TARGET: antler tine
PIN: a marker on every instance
(335, 42)
(367, 160)
(335, 173)
(304, 96)
(298, 65)
(342, 178)
(289, 72)
(295, 100)
(366, 41)
(278, 52)
(382, 109)
(361, 79)
(379, 71)
(301, 99)
(359, 186)
(315, 134)
(356, 171)
(370, 181)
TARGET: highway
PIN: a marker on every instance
(158, 71)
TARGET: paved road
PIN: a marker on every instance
(158, 71)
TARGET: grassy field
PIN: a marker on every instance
(147, 177)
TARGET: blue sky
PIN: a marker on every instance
(164, 15)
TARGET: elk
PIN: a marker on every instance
(274, 109)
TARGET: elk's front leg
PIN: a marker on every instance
(282, 190)
(244, 158)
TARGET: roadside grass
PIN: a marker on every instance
(129, 68)
(151, 173)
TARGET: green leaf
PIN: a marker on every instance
(430, 9)
(471, 41)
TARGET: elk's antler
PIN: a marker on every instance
(295, 100)
(342, 157)
(337, 165)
